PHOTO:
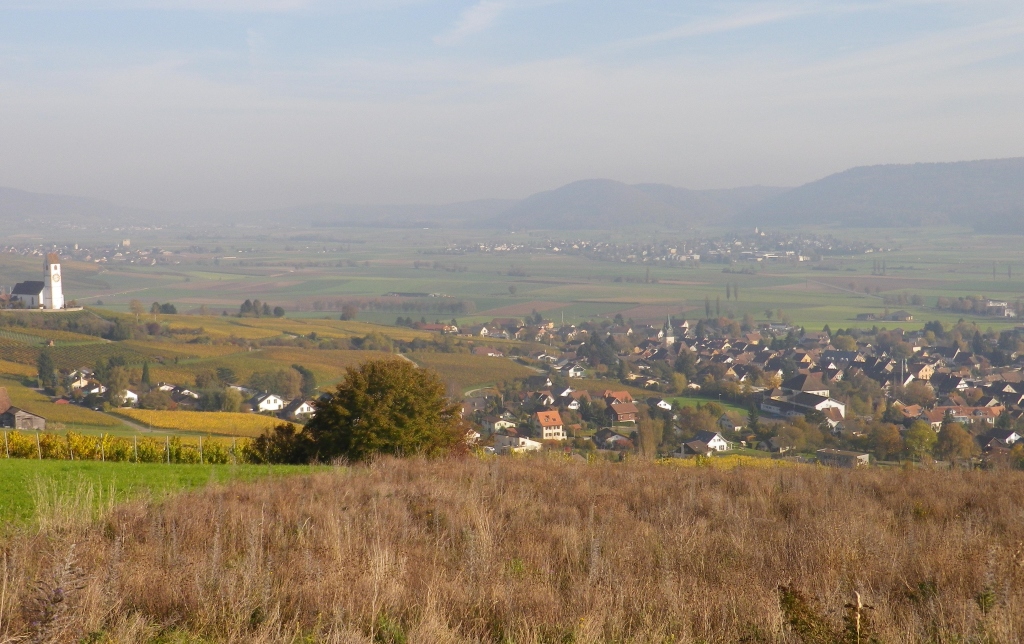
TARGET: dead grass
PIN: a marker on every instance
(536, 550)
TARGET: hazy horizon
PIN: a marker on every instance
(230, 105)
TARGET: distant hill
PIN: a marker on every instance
(989, 195)
(606, 204)
(21, 206)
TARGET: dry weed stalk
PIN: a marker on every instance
(530, 550)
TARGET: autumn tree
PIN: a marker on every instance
(920, 440)
(885, 440)
(955, 443)
(384, 407)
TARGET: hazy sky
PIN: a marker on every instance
(235, 104)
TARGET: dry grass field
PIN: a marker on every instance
(532, 550)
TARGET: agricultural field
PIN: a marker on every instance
(466, 371)
(222, 423)
(311, 281)
(28, 487)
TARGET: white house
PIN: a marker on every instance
(131, 398)
(713, 440)
(504, 444)
(267, 403)
(299, 409)
(496, 423)
(549, 425)
(575, 370)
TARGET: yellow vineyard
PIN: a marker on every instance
(224, 423)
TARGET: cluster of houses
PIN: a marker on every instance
(800, 380)
(84, 386)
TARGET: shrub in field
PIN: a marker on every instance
(116, 448)
(82, 447)
(21, 445)
(54, 446)
(150, 450)
(216, 452)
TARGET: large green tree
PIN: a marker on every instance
(381, 407)
(47, 371)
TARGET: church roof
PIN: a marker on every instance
(28, 288)
(52, 258)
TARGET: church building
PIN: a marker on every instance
(47, 294)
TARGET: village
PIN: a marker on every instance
(848, 397)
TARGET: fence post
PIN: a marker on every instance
(39, 449)
(234, 454)
(7, 447)
(200, 450)
(103, 451)
(135, 447)
(167, 448)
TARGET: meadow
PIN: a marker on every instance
(30, 489)
(534, 550)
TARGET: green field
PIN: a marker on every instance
(26, 483)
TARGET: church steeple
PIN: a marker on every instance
(53, 291)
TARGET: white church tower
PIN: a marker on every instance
(53, 292)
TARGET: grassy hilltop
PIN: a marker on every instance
(537, 550)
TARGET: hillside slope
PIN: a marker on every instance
(989, 195)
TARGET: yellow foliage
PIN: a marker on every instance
(224, 423)
(725, 462)
(17, 369)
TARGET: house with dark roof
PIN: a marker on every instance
(298, 409)
(17, 418)
(811, 383)
(842, 458)
(30, 294)
(624, 412)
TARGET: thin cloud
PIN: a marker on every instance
(473, 20)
